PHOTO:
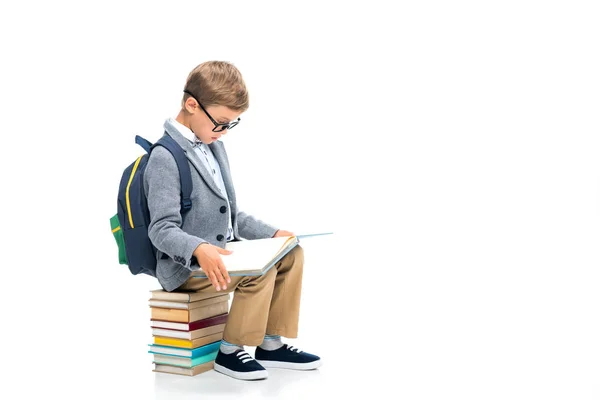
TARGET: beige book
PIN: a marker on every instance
(175, 315)
(209, 330)
(172, 369)
(183, 297)
(188, 306)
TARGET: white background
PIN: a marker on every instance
(451, 146)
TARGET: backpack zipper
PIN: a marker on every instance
(127, 191)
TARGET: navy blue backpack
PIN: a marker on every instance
(130, 224)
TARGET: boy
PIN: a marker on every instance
(264, 308)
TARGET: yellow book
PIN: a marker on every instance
(188, 344)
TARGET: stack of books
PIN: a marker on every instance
(187, 328)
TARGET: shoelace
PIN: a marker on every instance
(292, 348)
(244, 357)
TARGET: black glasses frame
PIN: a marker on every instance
(218, 126)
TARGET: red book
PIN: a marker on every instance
(190, 326)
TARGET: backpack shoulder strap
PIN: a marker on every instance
(185, 174)
(146, 145)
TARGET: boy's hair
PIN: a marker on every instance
(217, 83)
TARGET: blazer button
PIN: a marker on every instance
(220, 237)
(223, 209)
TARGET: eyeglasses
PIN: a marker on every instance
(218, 126)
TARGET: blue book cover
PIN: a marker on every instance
(185, 353)
(307, 235)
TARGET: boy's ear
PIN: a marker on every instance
(190, 105)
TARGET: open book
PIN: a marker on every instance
(254, 257)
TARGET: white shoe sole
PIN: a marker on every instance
(246, 376)
(290, 365)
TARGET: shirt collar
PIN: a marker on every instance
(185, 131)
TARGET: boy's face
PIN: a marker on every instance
(201, 124)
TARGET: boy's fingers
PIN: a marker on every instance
(224, 251)
(220, 278)
(224, 272)
(213, 280)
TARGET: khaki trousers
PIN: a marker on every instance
(267, 304)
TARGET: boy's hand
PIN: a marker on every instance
(281, 232)
(209, 258)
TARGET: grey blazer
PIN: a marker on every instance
(207, 220)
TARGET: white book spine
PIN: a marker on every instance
(170, 333)
(170, 325)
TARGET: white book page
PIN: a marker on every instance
(252, 254)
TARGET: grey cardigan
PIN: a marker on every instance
(207, 220)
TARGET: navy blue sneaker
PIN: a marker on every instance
(287, 357)
(239, 365)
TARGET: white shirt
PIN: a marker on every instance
(209, 161)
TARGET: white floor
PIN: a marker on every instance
(280, 384)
